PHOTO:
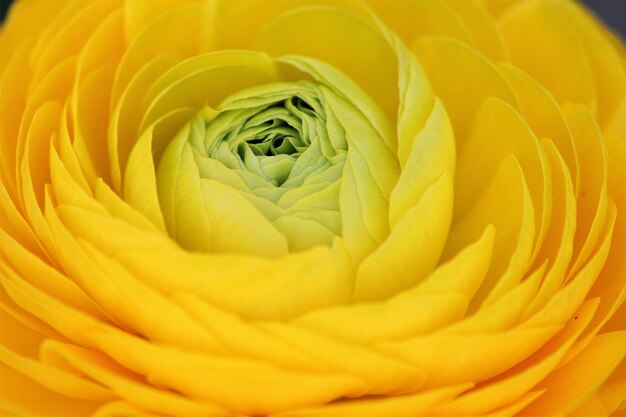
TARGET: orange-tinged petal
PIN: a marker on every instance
(22, 396)
(122, 382)
(411, 405)
(54, 379)
(584, 374)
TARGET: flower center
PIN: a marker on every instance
(267, 161)
(267, 138)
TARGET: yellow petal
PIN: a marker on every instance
(26, 22)
(371, 62)
(485, 33)
(380, 374)
(91, 115)
(13, 223)
(462, 92)
(13, 85)
(543, 114)
(513, 408)
(121, 408)
(303, 233)
(412, 19)
(124, 383)
(71, 38)
(236, 384)
(438, 300)
(431, 153)
(411, 405)
(37, 147)
(139, 14)
(104, 48)
(498, 131)
(45, 277)
(250, 286)
(204, 79)
(234, 24)
(412, 249)
(21, 396)
(416, 100)
(124, 124)
(505, 312)
(243, 338)
(477, 356)
(506, 204)
(66, 190)
(557, 247)
(169, 34)
(139, 184)
(592, 199)
(56, 380)
(562, 305)
(498, 7)
(120, 209)
(542, 43)
(609, 73)
(506, 387)
(236, 225)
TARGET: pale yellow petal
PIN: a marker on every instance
(430, 155)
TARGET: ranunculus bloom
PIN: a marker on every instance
(311, 208)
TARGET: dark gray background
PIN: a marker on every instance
(613, 12)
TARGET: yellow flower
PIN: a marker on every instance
(311, 208)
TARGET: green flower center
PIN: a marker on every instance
(281, 167)
(272, 145)
(266, 135)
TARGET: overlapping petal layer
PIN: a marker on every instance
(311, 208)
